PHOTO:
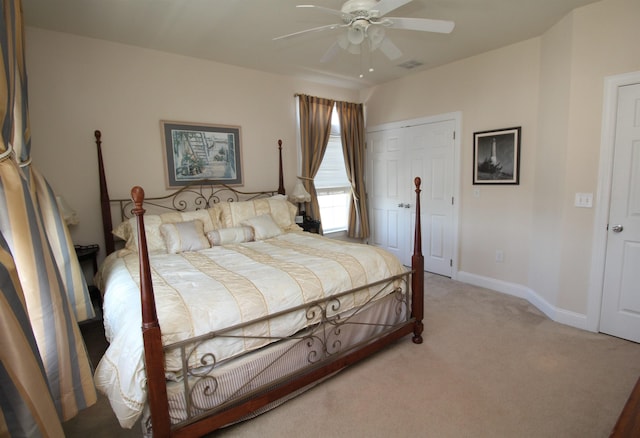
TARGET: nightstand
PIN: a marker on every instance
(86, 254)
(310, 225)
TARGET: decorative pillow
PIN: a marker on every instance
(210, 217)
(128, 230)
(263, 226)
(184, 236)
(281, 210)
(225, 236)
(122, 231)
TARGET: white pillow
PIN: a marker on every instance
(264, 227)
(184, 236)
(128, 230)
(225, 236)
(210, 217)
(282, 211)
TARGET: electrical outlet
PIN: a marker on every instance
(499, 256)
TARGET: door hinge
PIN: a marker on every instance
(452, 199)
(454, 135)
(451, 263)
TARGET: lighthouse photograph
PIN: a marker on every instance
(496, 156)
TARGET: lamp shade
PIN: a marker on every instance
(299, 193)
(68, 214)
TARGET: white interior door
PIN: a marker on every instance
(395, 156)
(387, 192)
(620, 311)
(431, 154)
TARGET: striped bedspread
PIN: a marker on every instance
(203, 291)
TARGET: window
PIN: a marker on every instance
(332, 184)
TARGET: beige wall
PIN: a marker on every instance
(604, 42)
(78, 85)
(495, 90)
(552, 87)
(546, 238)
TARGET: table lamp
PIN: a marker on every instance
(68, 214)
(300, 195)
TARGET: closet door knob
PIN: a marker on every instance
(617, 228)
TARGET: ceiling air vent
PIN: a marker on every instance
(410, 64)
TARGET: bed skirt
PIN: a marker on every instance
(231, 382)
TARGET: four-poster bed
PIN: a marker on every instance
(305, 306)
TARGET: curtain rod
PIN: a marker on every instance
(318, 97)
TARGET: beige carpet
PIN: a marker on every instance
(491, 366)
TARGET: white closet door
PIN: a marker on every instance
(395, 157)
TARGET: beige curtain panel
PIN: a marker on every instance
(353, 146)
(315, 128)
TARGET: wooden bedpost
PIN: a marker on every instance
(107, 226)
(151, 335)
(281, 190)
(417, 279)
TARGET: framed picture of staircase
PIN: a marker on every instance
(198, 152)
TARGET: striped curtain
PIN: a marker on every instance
(62, 246)
(21, 371)
(353, 132)
(33, 237)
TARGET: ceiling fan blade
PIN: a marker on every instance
(389, 49)
(315, 29)
(344, 16)
(330, 53)
(421, 24)
(385, 6)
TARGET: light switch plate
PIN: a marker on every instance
(584, 200)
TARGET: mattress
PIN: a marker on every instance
(209, 290)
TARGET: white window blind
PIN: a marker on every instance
(331, 183)
(332, 173)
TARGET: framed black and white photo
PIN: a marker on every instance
(496, 156)
(198, 152)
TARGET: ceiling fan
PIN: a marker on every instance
(365, 24)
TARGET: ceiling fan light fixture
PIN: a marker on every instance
(345, 44)
(365, 25)
(356, 34)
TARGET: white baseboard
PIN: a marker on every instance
(556, 314)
